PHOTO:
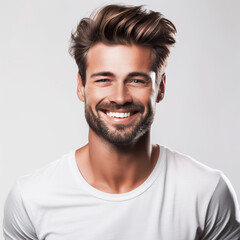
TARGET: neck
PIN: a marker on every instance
(117, 169)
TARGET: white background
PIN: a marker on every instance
(41, 117)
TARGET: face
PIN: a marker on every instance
(120, 92)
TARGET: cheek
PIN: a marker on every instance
(148, 99)
(94, 96)
(143, 95)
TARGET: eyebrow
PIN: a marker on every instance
(105, 74)
(137, 74)
(132, 74)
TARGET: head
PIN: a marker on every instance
(122, 31)
(126, 25)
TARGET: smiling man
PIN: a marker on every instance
(123, 92)
(120, 185)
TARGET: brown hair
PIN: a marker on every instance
(119, 24)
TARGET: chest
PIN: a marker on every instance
(149, 216)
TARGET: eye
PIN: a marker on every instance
(103, 80)
(138, 81)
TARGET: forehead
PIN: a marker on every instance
(119, 59)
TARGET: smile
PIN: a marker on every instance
(119, 114)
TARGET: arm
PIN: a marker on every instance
(17, 224)
(222, 218)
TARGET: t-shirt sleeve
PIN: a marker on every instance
(222, 219)
(17, 224)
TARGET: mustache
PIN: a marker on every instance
(111, 106)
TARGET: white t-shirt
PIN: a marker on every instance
(181, 200)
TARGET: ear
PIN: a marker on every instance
(80, 89)
(161, 89)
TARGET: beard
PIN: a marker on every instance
(120, 134)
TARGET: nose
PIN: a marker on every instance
(120, 94)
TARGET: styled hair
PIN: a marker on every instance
(120, 24)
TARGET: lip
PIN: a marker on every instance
(119, 120)
(119, 114)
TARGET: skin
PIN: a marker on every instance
(109, 167)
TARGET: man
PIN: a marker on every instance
(120, 186)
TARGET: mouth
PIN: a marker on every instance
(119, 114)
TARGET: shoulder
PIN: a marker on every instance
(206, 190)
(201, 181)
(193, 177)
(189, 168)
(31, 191)
(17, 220)
(47, 176)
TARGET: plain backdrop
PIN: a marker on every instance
(41, 117)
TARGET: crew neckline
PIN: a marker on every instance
(118, 196)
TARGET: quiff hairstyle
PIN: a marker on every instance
(126, 25)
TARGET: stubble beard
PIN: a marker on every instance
(122, 134)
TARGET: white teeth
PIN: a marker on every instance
(118, 114)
